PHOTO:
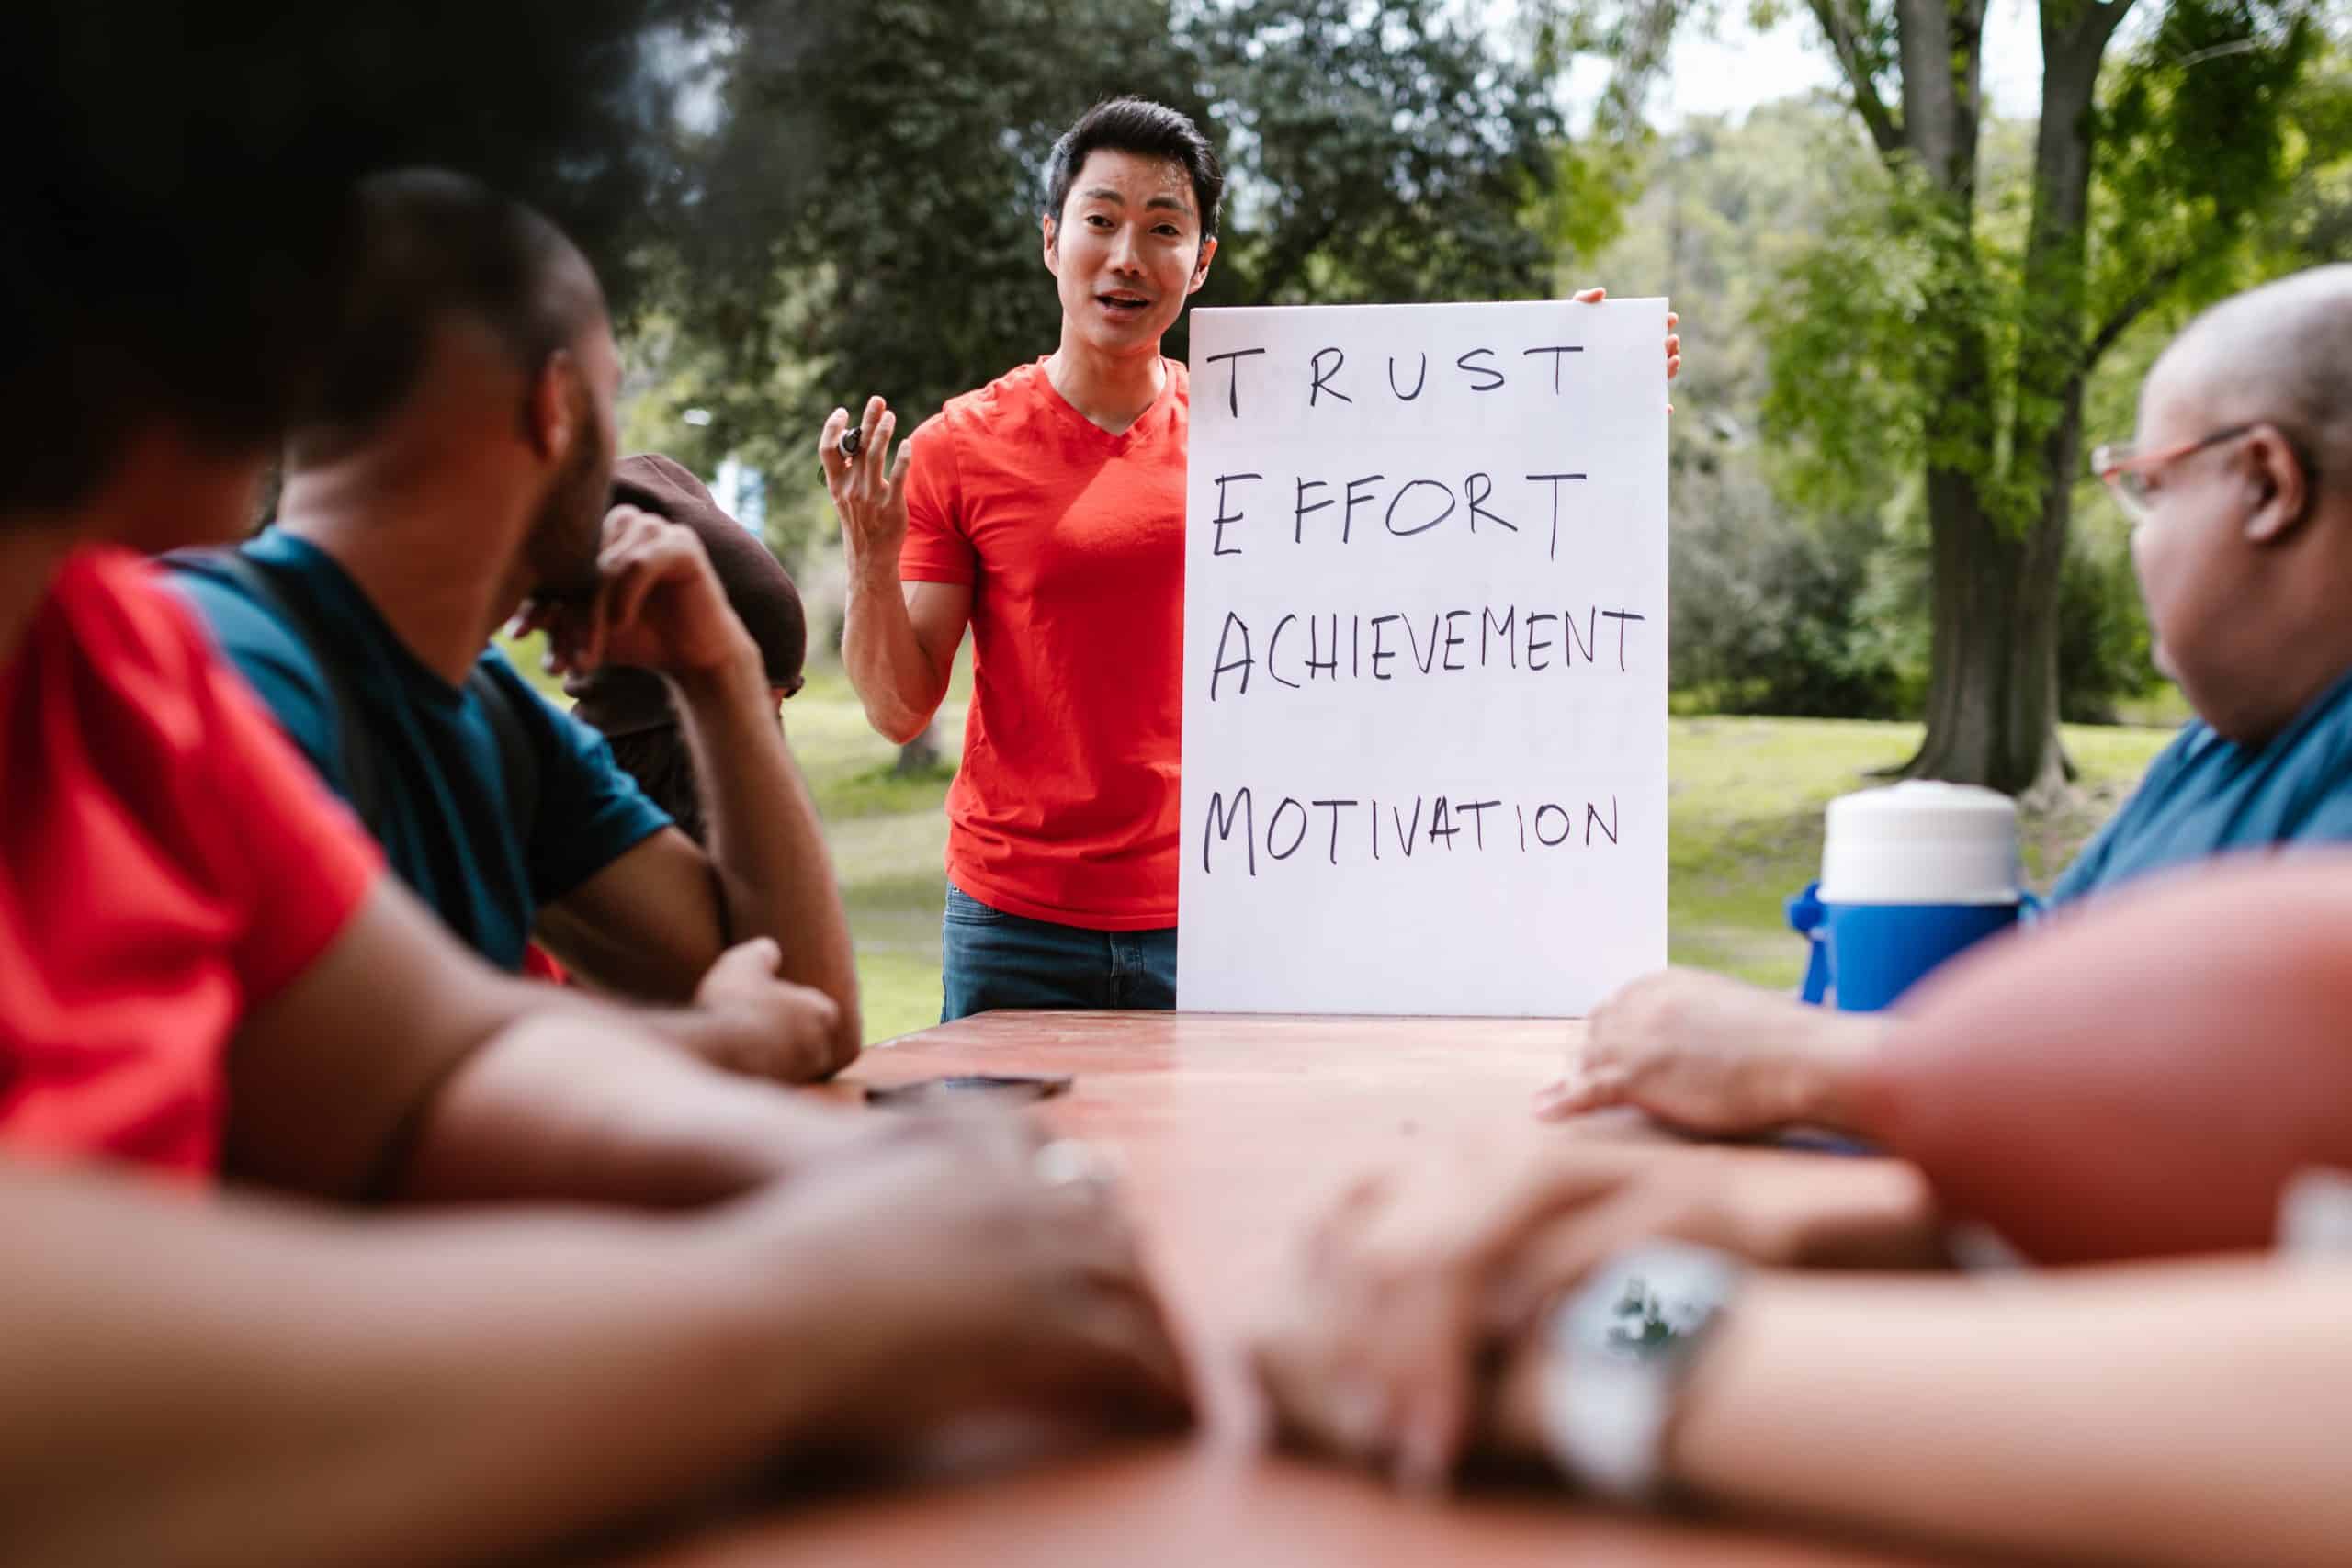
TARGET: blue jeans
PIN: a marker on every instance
(990, 959)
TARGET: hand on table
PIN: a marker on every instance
(765, 1026)
(961, 1273)
(1414, 1277)
(1714, 1056)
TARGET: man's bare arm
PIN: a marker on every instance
(651, 924)
(232, 1383)
(1399, 1290)
(656, 920)
(2182, 1414)
(898, 643)
(394, 1065)
(767, 845)
(898, 639)
(272, 1387)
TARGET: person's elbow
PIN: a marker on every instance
(846, 1040)
(902, 728)
(898, 720)
(900, 691)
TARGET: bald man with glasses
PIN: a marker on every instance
(2239, 486)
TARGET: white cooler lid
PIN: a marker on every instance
(1921, 842)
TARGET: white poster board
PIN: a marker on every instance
(1424, 659)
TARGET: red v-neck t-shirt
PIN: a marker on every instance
(1072, 541)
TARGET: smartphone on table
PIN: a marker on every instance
(964, 1089)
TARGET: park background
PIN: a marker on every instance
(1923, 252)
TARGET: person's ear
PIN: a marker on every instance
(1200, 264)
(1053, 258)
(551, 417)
(2279, 489)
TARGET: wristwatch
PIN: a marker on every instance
(1620, 1346)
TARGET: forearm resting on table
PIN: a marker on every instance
(560, 1108)
(1829, 1057)
(2181, 1414)
(1837, 1213)
(398, 1062)
(217, 1381)
(725, 1037)
(900, 679)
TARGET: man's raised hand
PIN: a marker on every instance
(1673, 338)
(869, 489)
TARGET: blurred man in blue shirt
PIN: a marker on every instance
(2239, 488)
(453, 470)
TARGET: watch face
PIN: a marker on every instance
(1647, 1306)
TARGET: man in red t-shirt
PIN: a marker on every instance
(1045, 511)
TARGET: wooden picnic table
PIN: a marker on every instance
(1231, 1132)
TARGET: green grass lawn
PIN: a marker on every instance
(889, 839)
(1744, 798)
(1744, 807)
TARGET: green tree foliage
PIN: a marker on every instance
(1774, 612)
(1948, 321)
(1377, 151)
(1800, 578)
(902, 256)
(2104, 652)
(1777, 607)
(1383, 152)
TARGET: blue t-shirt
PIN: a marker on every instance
(448, 826)
(2204, 795)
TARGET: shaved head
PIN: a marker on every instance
(2243, 549)
(2281, 353)
(470, 353)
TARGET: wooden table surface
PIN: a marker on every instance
(1232, 1131)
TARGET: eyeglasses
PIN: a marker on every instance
(2126, 473)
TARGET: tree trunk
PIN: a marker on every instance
(919, 755)
(1992, 688)
(1993, 696)
(2053, 368)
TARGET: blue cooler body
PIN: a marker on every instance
(1867, 955)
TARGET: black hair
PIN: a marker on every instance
(663, 765)
(163, 252)
(179, 182)
(1148, 130)
(429, 244)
